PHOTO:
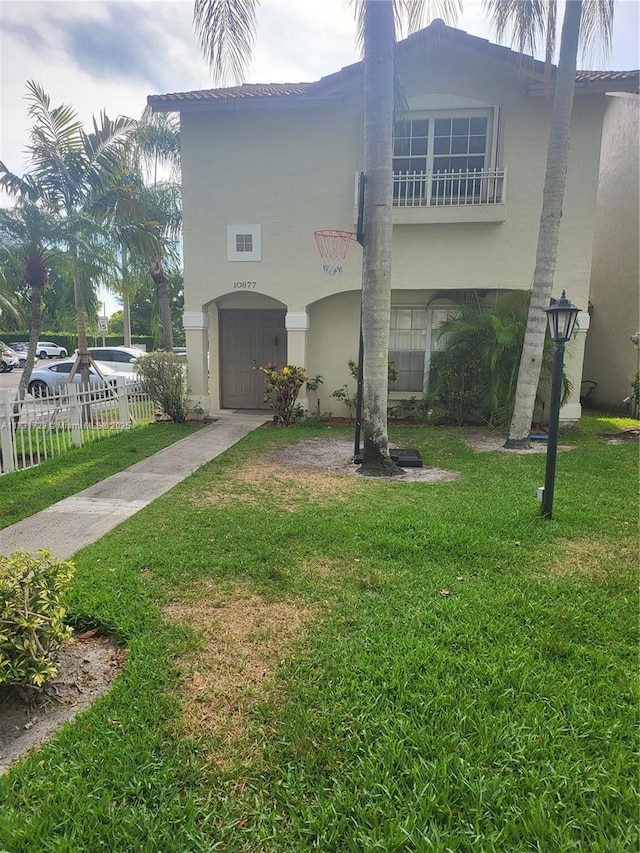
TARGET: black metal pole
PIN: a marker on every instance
(360, 239)
(552, 440)
(356, 441)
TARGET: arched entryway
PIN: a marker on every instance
(249, 339)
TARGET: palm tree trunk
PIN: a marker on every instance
(376, 267)
(162, 293)
(37, 279)
(84, 359)
(126, 320)
(126, 303)
(549, 230)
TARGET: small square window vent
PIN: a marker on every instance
(244, 243)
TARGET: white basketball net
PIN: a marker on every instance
(333, 246)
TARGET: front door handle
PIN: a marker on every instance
(255, 365)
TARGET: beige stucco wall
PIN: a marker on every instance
(291, 170)
(610, 357)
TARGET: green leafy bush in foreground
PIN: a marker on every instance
(33, 589)
(162, 375)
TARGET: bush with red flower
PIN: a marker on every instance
(282, 387)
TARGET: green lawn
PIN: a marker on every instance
(27, 492)
(461, 677)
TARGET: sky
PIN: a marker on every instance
(110, 54)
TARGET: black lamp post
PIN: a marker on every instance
(561, 318)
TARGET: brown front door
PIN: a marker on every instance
(248, 340)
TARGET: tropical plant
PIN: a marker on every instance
(227, 30)
(532, 20)
(71, 170)
(281, 389)
(474, 376)
(28, 247)
(350, 398)
(155, 144)
(33, 589)
(145, 311)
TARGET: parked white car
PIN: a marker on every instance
(8, 359)
(119, 359)
(47, 349)
(19, 355)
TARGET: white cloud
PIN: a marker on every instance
(110, 54)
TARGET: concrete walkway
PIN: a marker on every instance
(83, 518)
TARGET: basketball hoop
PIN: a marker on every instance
(333, 246)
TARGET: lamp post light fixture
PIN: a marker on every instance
(561, 318)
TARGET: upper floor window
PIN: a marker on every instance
(440, 144)
(444, 158)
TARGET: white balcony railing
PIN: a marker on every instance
(442, 189)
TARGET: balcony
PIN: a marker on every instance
(423, 197)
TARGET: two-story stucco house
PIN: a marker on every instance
(265, 167)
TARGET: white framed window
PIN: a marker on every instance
(407, 346)
(459, 141)
(444, 143)
(413, 339)
(244, 242)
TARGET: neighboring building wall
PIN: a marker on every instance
(291, 169)
(610, 357)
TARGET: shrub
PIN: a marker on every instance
(414, 411)
(474, 378)
(349, 399)
(33, 588)
(162, 376)
(281, 389)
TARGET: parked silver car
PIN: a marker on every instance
(50, 378)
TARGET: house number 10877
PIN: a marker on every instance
(245, 285)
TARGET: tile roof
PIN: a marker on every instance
(231, 93)
(587, 76)
(438, 32)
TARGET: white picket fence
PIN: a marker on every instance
(33, 429)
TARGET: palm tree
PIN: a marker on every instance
(155, 143)
(70, 170)
(143, 223)
(165, 206)
(592, 18)
(28, 247)
(227, 30)
(484, 340)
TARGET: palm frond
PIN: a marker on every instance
(522, 23)
(226, 29)
(409, 15)
(15, 186)
(596, 27)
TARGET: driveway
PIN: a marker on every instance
(10, 380)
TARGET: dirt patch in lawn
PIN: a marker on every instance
(593, 559)
(241, 638)
(88, 665)
(482, 443)
(334, 455)
(265, 480)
